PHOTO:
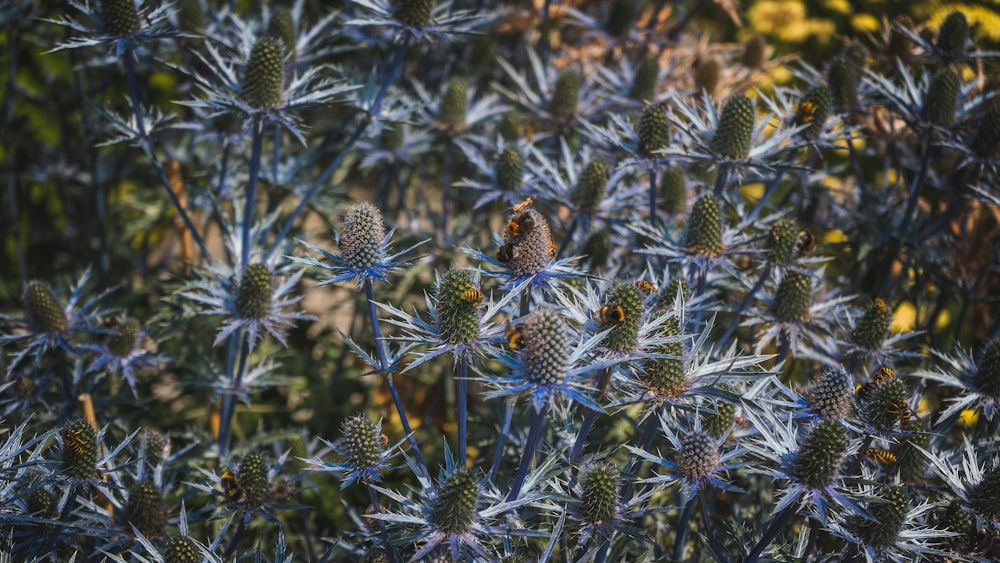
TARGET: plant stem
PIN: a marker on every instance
(653, 217)
(446, 191)
(713, 543)
(462, 399)
(778, 523)
(683, 528)
(721, 179)
(918, 181)
(229, 400)
(771, 187)
(588, 420)
(534, 436)
(501, 440)
(568, 236)
(634, 465)
(383, 531)
(745, 303)
(251, 195)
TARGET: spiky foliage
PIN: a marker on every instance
(942, 98)
(565, 95)
(645, 80)
(281, 26)
(654, 130)
(457, 300)
(704, 227)
(253, 479)
(781, 241)
(414, 13)
(121, 18)
(623, 297)
(953, 35)
(591, 186)
(793, 298)
(669, 292)
(454, 509)
(509, 169)
(984, 497)
(735, 133)
(79, 456)
(454, 105)
(362, 236)
(145, 509)
(43, 309)
(599, 499)
(873, 328)
(818, 460)
(263, 82)
(831, 395)
(842, 79)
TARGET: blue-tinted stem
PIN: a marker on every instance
(746, 303)
(275, 154)
(251, 195)
(223, 170)
(634, 465)
(229, 399)
(855, 165)
(462, 392)
(382, 530)
(918, 181)
(780, 521)
(713, 543)
(721, 178)
(446, 190)
(508, 416)
(384, 367)
(683, 528)
(588, 420)
(534, 436)
(771, 187)
(653, 218)
(525, 305)
(568, 236)
(147, 144)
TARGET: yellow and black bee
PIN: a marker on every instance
(553, 249)
(885, 457)
(805, 242)
(901, 409)
(473, 296)
(610, 314)
(520, 224)
(866, 392)
(506, 253)
(645, 286)
(73, 441)
(231, 487)
(515, 338)
(805, 112)
(883, 374)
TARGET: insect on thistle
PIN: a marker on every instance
(901, 409)
(885, 457)
(506, 253)
(805, 242)
(231, 487)
(645, 286)
(473, 296)
(520, 224)
(805, 112)
(610, 314)
(514, 336)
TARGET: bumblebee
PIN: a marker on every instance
(473, 296)
(520, 224)
(506, 253)
(610, 314)
(805, 242)
(231, 487)
(885, 457)
(805, 112)
(553, 249)
(645, 286)
(515, 338)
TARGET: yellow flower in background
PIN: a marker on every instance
(986, 21)
(905, 318)
(968, 418)
(788, 21)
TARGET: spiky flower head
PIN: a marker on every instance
(956, 520)
(121, 18)
(252, 475)
(953, 35)
(704, 228)
(698, 456)
(264, 80)
(813, 110)
(509, 125)
(664, 377)
(41, 504)
(889, 515)
(597, 248)
(654, 130)
(735, 133)
(44, 311)
(984, 497)
(721, 420)
(155, 446)
(987, 376)
(669, 292)
(79, 459)
(454, 509)
(363, 447)
(842, 78)
(508, 170)
(645, 80)
(674, 191)
(942, 98)
(986, 143)
(281, 26)
(781, 241)
(591, 186)
(454, 105)
(621, 18)
(546, 351)
(362, 235)
(191, 16)
(125, 338)
(911, 463)
(873, 328)
(754, 52)
(818, 460)
(793, 298)
(253, 298)
(565, 95)
(145, 509)
(458, 300)
(181, 549)
(599, 498)
(887, 404)
(706, 75)
(531, 244)
(414, 13)
(624, 302)
(831, 395)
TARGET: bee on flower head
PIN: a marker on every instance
(520, 224)
(805, 112)
(610, 314)
(473, 296)
(514, 336)
(231, 487)
(883, 374)
(646, 287)
(901, 409)
(506, 253)
(553, 249)
(805, 242)
(885, 457)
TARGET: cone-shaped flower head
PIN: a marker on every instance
(698, 456)
(754, 52)
(79, 459)
(664, 377)
(121, 18)
(252, 475)
(125, 338)
(454, 509)
(953, 35)
(155, 446)
(813, 110)
(706, 75)
(253, 298)
(781, 241)
(987, 377)
(454, 105)
(719, 422)
(873, 328)
(508, 170)
(599, 500)
(674, 191)
(529, 241)
(842, 78)
(887, 404)
(458, 303)
(41, 504)
(818, 460)
(181, 549)
(911, 463)
(704, 228)
(264, 80)
(654, 130)
(986, 143)
(957, 520)
(597, 248)
(361, 238)
(282, 27)
(191, 16)
(546, 351)
(591, 186)
(793, 298)
(565, 95)
(44, 311)
(832, 394)
(668, 294)
(942, 98)
(622, 311)
(621, 18)
(363, 447)
(984, 497)
(735, 133)
(509, 125)
(645, 80)
(414, 13)
(889, 517)
(145, 509)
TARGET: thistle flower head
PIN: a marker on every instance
(813, 110)
(79, 456)
(253, 297)
(264, 80)
(718, 421)
(832, 394)
(591, 186)
(121, 18)
(191, 16)
(842, 79)
(911, 463)
(646, 77)
(125, 338)
(654, 130)
(822, 451)
(546, 351)
(252, 474)
(674, 191)
(707, 72)
(889, 515)
(565, 95)
(509, 170)
(793, 298)
(145, 509)
(362, 237)
(668, 294)
(458, 301)
(621, 18)
(622, 310)
(454, 509)
(735, 133)
(698, 457)
(454, 105)
(887, 404)
(704, 227)
(414, 13)
(953, 35)
(987, 376)
(873, 328)
(986, 143)
(529, 241)
(754, 52)
(281, 26)
(600, 495)
(364, 449)
(43, 310)
(984, 497)
(941, 100)
(781, 241)
(509, 125)
(597, 248)
(155, 446)
(665, 377)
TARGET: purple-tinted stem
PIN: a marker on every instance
(229, 400)
(745, 303)
(534, 436)
(251, 195)
(462, 392)
(383, 531)
(502, 439)
(588, 421)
